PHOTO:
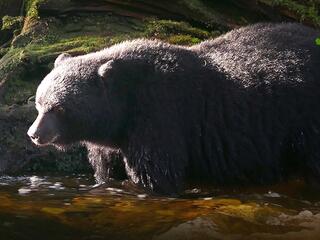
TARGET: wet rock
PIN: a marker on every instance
(198, 228)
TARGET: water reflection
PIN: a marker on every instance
(72, 207)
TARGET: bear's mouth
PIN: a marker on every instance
(41, 142)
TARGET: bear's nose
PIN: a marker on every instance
(32, 135)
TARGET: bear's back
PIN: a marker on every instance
(265, 54)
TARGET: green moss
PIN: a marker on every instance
(9, 63)
(3, 51)
(83, 34)
(308, 10)
(167, 27)
(18, 91)
(183, 40)
(32, 8)
(318, 41)
(177, 32)
(15, 67)
(75, 44)
(11, 23)
(31, 14)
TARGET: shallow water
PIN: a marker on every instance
(43, 207)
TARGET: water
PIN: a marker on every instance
(71, 207)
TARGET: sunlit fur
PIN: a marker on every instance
(242, 109)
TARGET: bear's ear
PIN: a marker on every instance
(61, 58)
(105, 68)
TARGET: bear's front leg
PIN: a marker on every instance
(309, 143)
(157, 162)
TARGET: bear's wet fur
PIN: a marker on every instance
(242, 109)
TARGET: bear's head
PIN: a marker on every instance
(72, 103)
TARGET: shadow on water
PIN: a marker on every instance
(72, 208)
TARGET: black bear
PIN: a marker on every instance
(241, 109)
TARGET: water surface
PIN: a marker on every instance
(71, 207)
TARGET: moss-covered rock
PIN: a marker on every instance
(3, 52)
(304, 11)
(11, 23)
(7, 28)
(177, 32)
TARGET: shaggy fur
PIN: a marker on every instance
(107, 163)
(241, 109)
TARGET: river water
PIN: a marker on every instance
(71, 207)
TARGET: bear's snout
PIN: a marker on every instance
(43, 131)
(32, 134)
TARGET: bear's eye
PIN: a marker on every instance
(58, 109)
